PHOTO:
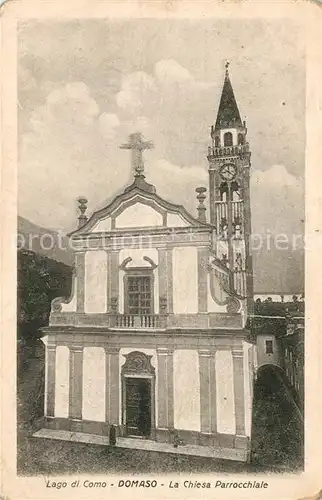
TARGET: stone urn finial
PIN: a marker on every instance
(82, 206)
(201, 207)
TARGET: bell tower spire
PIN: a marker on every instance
(229, 191)
(228, 113)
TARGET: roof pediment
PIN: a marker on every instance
(138, 207)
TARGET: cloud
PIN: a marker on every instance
(138, 124)
(134, 89)
(180, 173)
(26, 79)
(277, 201)
(108, 124)
(71, 148)
(276, 176)
(177, 183)
(170, 71)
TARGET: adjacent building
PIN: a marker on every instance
(278, 330)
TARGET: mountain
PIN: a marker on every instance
(42, 241)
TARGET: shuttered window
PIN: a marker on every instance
(138, 295)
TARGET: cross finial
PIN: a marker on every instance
(227, 66)
(137, 146)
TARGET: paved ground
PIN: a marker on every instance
(276, 438)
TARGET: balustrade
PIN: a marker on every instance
(136, 321)
(229, 150)
(222, 213)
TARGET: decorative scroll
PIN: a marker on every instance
(219, 276)
(57, 302)
(233, 305)
(220, 290)
(138, 363)
(124, 265)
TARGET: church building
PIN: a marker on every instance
(153, 340)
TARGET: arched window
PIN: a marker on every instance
(223, 191)
(236, 196)
(240, 139)
(228, 139)
(217, 142)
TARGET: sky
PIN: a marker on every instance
(84, 86)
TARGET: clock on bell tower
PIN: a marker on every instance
(229, 192)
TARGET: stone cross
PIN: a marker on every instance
(137, 146)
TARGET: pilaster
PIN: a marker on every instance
(80, 274)
(163, 276)
(112, 399)
(50, 380)
(75, 382)
(213, 393)
(239, 395)
(109, 281)
(208, 395)
(202, 279)
(205, 391)
(169, 257)
(114, 279)
(165, 388)
(212, 197)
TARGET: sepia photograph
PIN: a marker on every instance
(160, 247)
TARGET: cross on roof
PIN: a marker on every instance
(137, 145)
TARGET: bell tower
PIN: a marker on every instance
(229, 192)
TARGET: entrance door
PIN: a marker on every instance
(138, 406)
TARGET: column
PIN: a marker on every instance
(80, 275)
(112, 399)
(50, 380)
(202, 280)
(75, 382)
(239, 396)
(165, 388)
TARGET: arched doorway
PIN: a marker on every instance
(138, 395)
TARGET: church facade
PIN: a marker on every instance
(153, 339)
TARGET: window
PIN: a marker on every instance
(228, 139)
(269, 346)
(217, 143)
(138, 295)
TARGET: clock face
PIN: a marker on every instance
(228, 172)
